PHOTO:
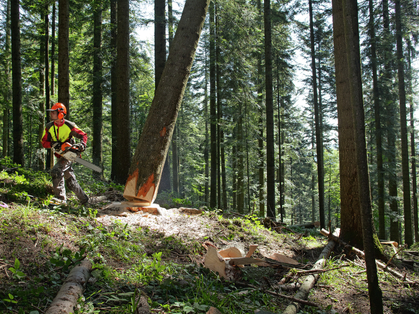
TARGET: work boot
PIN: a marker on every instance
(57, 201)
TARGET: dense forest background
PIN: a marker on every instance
(219, 155)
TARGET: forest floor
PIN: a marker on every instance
(161, 256)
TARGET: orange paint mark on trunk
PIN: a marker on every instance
(143, 191)
(163, 132)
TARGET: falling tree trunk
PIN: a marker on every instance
(146, 168)
(319, 145)
(345, 24)
(63, 55)
(97, 86)
(378, 131)
(18, 155)
(408, 235)
(270, 151)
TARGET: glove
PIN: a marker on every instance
(56, 145)
(80, 147)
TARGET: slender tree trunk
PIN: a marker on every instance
(160, 61)
(413, 149)
(391, 133)
(378, 131)
(18, 155)
(346, 12)
(123, 155)
(213, 111)
(63, 55)
(175, 138)
(261, 173)
(319, 145)
(240, 163)
(50, 155)
(97, 86)
(114, 111)
(207, 136)
(7, 88)
(52, 52)
(145, 172)
(408, 234)
(43, 73)
(219, 113)
(270, 152)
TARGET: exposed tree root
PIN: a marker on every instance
(71, 290)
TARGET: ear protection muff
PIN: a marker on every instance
(60, 114)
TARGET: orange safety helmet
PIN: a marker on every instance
(62, 110)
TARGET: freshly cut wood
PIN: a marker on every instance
(71, 290)
(238, 261)
(214, 262)
(362, 254)
(283, 259)
(311, 279)
(230, 252)
(252, 249)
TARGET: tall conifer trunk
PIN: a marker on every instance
(160, 61)
(270, 152)
(122, 110)
(349, 91)
(408, 234)
(213, 110)
(97, 86)
(319, 145)
(63, 55)
(7, 88)
(18, 154)
(378, 131)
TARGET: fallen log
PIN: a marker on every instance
(71, 290)
(362, 255)
(311, 279)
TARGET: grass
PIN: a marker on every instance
(40, 244)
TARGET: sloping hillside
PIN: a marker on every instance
(161, 257)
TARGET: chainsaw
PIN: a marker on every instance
(72, 153)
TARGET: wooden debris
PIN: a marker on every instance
(362, 255)
(190, 211)
(214, 262)
(71, 290)
(310, 279)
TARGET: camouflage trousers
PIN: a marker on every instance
(63, 173)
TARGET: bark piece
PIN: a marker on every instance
(71, 290)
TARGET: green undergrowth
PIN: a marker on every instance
(40, 244)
